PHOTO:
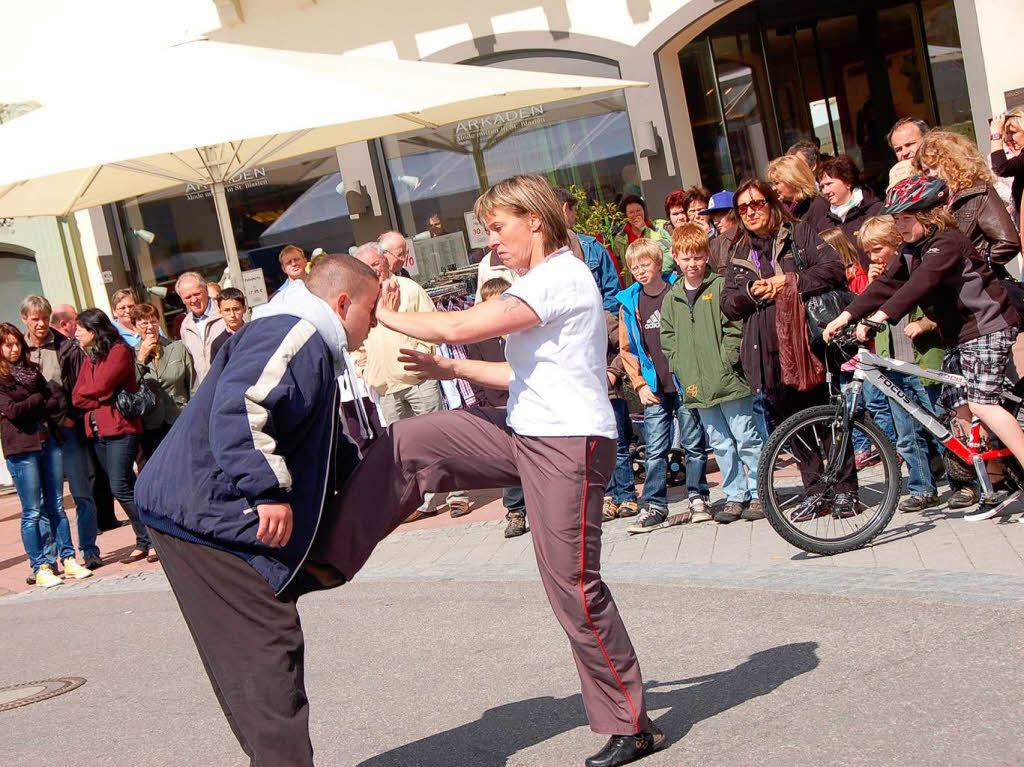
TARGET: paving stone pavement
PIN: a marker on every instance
(936, 556)
(937, 539)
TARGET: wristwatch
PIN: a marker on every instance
(995, 137)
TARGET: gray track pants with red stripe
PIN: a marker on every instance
(563, 480)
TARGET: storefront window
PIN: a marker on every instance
(298, 202)
(946, 60)
(586, 142)
(295, 201)
(770, 74)
(804, 113)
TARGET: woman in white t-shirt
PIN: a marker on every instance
(558, 442)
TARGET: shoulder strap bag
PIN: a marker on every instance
(822, 308)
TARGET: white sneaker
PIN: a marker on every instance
(74, 570)
(699, 507)
(46, 578)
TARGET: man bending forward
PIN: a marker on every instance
(235, 493)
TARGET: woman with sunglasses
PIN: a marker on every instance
(769, 241)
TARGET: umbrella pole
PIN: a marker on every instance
(227, 235)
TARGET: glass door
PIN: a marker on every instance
(743, 88)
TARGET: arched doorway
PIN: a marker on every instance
(19, 276)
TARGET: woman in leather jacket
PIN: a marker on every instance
(979, 212)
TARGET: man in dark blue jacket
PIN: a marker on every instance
(235, 494)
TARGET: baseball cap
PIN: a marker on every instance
(719, 202)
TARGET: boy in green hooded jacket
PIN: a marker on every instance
(703, 350)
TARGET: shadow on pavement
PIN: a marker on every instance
(507, 729)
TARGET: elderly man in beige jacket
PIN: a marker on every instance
(402, 394)
(202, 324)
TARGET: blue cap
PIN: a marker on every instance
(719, 201)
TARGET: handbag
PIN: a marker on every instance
(822, 308)
(801, 368)
(135, 404)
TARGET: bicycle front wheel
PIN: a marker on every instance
(813, 493)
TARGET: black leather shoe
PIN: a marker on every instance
(623, 749)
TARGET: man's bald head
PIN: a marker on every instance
(394, 249)
(338, 273)
(64, 318)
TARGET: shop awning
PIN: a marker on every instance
(204, 112)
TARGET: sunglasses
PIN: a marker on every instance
(753, 205)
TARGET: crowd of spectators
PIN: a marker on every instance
(691, 302)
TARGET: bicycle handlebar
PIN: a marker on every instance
(846, 334)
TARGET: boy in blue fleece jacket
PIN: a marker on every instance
(236, 492)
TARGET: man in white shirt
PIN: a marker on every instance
(293, 263)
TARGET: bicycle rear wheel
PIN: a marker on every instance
(781, 485)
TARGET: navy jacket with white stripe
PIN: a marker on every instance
(262, 428)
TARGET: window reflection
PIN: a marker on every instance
(441, 172)
(298, 201)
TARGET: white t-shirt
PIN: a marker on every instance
(559, 387)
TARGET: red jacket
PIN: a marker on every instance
(97, 385)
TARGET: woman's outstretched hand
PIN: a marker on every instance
(428, 366)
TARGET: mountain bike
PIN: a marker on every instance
(815, 521)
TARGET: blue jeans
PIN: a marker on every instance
(877, 406)
(622, 485)
(695, 447)
(732, 430)
(762, 417)
(117, 456)
(78, 473)
(658, 421)
(39, 480)
(911, 437)
(512, 499)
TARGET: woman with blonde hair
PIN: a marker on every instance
(1007, 153)
(973, 201)
(794, 183)
(556, 440)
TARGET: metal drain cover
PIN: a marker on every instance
(18, 695)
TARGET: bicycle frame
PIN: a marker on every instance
(869, 367)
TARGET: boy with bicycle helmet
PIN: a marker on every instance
(940, 270)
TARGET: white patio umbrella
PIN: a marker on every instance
(203, 112)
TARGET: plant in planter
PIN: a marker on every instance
(598, 219)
